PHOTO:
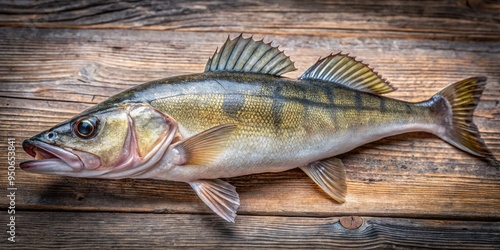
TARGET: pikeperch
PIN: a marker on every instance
(241, 117)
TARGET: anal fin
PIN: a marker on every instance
(219, 195)
(329, 174)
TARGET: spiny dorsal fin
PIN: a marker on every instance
(345, 70)
(247, 55)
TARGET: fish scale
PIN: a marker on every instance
(297, 131)
(241, 117)
(281, 104)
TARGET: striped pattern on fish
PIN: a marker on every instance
(288, 123)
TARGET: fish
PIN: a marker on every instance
(241, 117)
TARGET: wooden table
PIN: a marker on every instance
(412, 190)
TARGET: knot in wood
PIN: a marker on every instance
(80, 196)
(351, 222)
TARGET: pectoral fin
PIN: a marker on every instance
(203, 148)
(329, 174)
(219, 195)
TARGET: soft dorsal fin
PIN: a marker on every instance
(345, 70)
(247, 55)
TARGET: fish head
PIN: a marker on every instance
(116, 142)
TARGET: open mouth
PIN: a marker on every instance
(49, 158)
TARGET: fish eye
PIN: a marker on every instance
(86, 127)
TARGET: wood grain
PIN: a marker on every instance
(121, 230)
(59, 58)
(452, 20)
(427, 177)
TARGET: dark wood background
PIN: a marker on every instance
(412, 190)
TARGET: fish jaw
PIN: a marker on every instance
(52, 159)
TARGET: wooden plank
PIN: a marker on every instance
(285, 194)
(452, 20)
(52, 66)
(90, 65)
(118, 230)
(51, 75)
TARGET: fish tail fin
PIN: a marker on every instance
(456, 104)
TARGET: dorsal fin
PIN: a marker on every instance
(247, 55)
(345, 70)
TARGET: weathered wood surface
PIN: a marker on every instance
(136, 231)
(59, 59)
(460, 19)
